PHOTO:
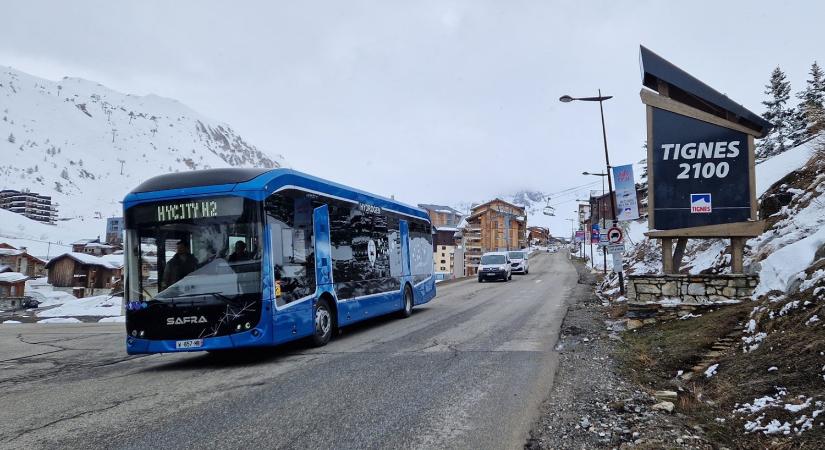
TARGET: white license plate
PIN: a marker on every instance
(190, 343)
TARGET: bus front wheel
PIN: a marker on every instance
(323, 323)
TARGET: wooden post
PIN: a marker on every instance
(679, 253)
(667, 255)
(737, 254)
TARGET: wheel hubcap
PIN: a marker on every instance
(323, 321)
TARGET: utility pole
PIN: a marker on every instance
(601, 99)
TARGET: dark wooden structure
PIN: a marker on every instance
(82, 270)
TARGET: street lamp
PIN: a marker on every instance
(601, 99)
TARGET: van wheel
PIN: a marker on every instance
(408, 303)
(323, 323)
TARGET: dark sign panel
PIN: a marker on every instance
(700, 173)
(185, 210)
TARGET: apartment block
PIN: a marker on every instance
(29, 204)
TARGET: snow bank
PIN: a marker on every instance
(60, 320)
(117, 319)
(774, 169)
(783, 265)
(101, 305)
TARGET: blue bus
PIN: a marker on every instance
(228, 258)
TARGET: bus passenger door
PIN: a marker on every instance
(323, 251)
(289, 222)
(404, 228)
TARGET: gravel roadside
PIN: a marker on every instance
(591, 404)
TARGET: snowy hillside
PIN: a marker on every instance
(87, 145)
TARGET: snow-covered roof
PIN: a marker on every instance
(84, 258)
(114, 259)
(10, 252)
(97, 245)
(4, 268)
(446, 229)
(85, 241)
(12, 277)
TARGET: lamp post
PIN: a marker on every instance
(601, 99)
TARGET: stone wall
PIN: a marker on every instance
(664, 297)
(690, 289)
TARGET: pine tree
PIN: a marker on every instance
(812, 103)
(781, 136)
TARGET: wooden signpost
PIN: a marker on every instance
(701, 163)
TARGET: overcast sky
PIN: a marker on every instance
(430, 101)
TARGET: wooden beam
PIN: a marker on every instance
(737, 254)
(725, 230)
(667, 255)
(655, 100)
(651, 224)
(681, 243)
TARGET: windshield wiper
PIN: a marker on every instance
(216, 295)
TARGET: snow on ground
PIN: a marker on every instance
(45, 293)
(100, 305)
(60, 320)
(116, 319)
(774, 169)
(10, 322)
(43, 240)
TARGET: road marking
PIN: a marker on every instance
(538, 281)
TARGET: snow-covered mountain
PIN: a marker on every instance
(87, 145)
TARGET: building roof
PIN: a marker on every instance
(440, 209)
(4, 268)
(12, 277)
(19, 252)
(86, 241)
(86, 259)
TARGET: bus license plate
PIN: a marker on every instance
(190, 343)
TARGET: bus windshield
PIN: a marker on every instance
(201, 250)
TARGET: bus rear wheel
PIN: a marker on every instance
(323, 323)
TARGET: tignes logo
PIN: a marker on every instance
(700, 204)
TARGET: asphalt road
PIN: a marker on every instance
(467, 370)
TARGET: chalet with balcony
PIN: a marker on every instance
(493, 226)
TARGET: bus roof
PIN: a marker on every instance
(256, 184)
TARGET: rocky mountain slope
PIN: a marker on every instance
(87, 145)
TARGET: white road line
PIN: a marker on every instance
(538, 281)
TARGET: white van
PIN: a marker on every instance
(494, 266)
(519, 262)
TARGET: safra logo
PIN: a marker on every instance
(700, 204)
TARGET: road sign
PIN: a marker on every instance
(614, 249)
(580, 236)
(617, 262)
(594, 234)
(615, 235)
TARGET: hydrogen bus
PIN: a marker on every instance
(229, 258)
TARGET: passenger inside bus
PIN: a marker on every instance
(182, 264)
(240, 253)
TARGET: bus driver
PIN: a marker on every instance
(181, 265)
